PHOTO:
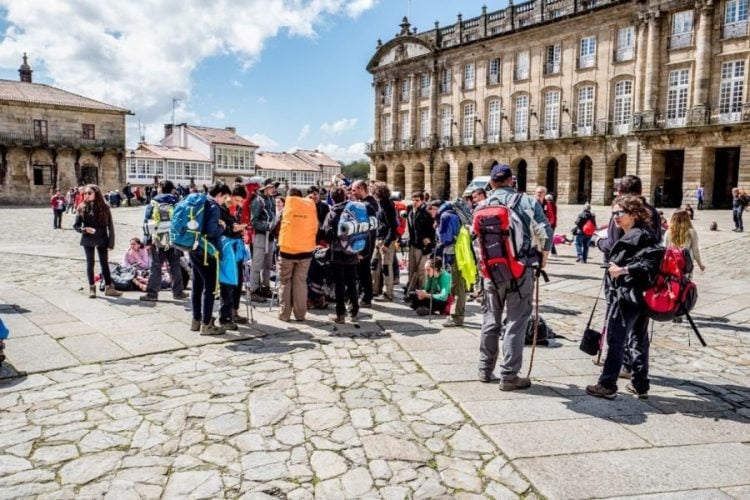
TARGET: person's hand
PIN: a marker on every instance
(703, 268)
(543, 262)
(384, 248)
(615, 271)
(222, 224)
(421, 294)
(89, 230)
(426, 241)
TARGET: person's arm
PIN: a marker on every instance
(695, 248)
(444, 282)
(329, 227)
(391, 223)
(213, 228)
(256, 209)
(78, 224)
(126, 258)
(111, 231)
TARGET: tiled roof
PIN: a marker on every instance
(44, 95)
(169, 153)
(221, 136)
(282, 161)
(316, 158)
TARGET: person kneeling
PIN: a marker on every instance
(436, 289)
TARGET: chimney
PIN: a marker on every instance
(25, 70)
(168, 130)
(231, 129)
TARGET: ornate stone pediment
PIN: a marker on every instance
(398, 50)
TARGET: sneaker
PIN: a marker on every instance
(601, 392)
(514, 384)
(384, 298)
(486, 377)
(195, 325)
(111, 291)
(625, 373)
(632, 390)
(236, 318)
(148, 298)
(365, 303)
(92, 292)
(257, 297)
(212, 329)
(181, 296)
(452, 323)
(423, 311)
(228, 325)
(339, 320)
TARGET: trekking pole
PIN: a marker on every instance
(432, 258)
(537, 274)
(695, 329)
(276, 288)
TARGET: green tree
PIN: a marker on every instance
(359, 169)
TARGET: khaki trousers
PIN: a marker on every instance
(384, 269)
(293, 288)
(417, 260)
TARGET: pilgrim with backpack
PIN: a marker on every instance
(585, 227)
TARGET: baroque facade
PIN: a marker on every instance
(573, 94)
(53, 139)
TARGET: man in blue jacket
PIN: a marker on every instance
(156, 236)
(448, 230)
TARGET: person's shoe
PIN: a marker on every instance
(111, 291)
(452, 323)
(735, 230)
(228, 325)
(625, 373)
(423, 311)
(339, 320)
(285, 320)
(148, 298)
(365, 303)
(632, 390)
(384, 298)
(257, 297)
(515, 384)
(236, 318)
(181, 296)
(578, 259)
(601, 392)
(92, 292)
(195, 325)
(353, 317)
(486, 377)
(212, 329)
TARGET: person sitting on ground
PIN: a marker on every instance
(436, 289)
(136, 256)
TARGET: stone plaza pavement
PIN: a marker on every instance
(116, 398)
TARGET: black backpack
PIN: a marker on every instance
(543, 337)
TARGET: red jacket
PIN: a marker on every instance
(57, 202)
(550, 210)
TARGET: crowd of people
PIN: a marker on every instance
(343, 244)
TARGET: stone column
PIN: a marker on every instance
(652, 63)
(699, 161)
(702, 77)
(601, 176)
(378, 115)
(395, 112)
(640, 67)
(434, 99)
(744, 173)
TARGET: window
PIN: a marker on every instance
(405, 129)
(623, 105)
(682, 30)
(521, 119)
(731, 91)
(42, 175)
(40, 130)
(493, 71)
(552, 59)
(735, 18)
(469, 76)
(387, 92)
(445, 81)
(405, 90)
(522, 65)
(424, 85)
(585, 111)
(625, 44)
(677, 97)
(468, 125)
(87, 131)
(552, 114)
(446, 120)
(424, 123)
(493, 121)
(385, 133)
(587, 52)
(238, 159)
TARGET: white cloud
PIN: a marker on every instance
(236, 83)
(263, 141)
(261, 100)
(139, 55)
(344, 154)
(304, 133)
(339, 126)
(219, 115)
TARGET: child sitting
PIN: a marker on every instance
(436, 289)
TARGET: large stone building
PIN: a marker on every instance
(573, 94)
(51, 138)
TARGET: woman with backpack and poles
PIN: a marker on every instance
(633, 263)
(584, 229)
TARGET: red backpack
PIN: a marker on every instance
(673, 293)
(499, 232)
(588, 228)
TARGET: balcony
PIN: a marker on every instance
(388, 145)
(405, 144)
(624, 54)
(493, 138)
(681, 40)
(28, 138)
(587, 61)
(552, 68)
(521, 135)
(736, 29)
(425, 142)
(467, 140)
(446, 141)
(550, 133)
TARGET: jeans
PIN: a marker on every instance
(57, 219)
(204, 287)
(293, 287)
(364, 277)
(103, 262)
(737, 216)
(627, 341)
(700, 203)
(519, 308)
(345, 280)
(582, 246)
(158, 256)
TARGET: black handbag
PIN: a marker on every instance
(591, 339)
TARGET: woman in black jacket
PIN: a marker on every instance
(633, 263)
(94, 222)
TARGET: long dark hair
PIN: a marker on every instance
(98, 207)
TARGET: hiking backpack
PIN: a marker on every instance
(499, 231)
(158, 226)
(186, 223)
(463, 211)
(673, 293)
(354, 228)
(589, 228)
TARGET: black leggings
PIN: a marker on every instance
(103, 261)
(204, 287)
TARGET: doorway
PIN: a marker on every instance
(550, 181)
(726, 176)
(585, 177)
(89, 175)
(521, 176)
(673, 170)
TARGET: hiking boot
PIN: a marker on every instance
(486, 377)
(181, 296)
(632, 390)
(452, 323)
(228, 325)
(601, 391)
(92, 292)
(353, 317)
(111, 291)
(339, 320)
(285, 320)
(195, 325)
(423, 311)
(257, 297)
(212, 329)
(515, 384)
(236, 318)
(625, 373)
(148, 298)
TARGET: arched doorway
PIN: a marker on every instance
(521, 175)
(417, 178)
(618, 171)
(399, 180)
(488, 166)
(550, 179)
(441, 182)
(585, 177)
(381, 173)
(89, 174)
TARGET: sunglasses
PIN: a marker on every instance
(618, 213)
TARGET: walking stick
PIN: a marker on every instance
(276, 288)
(537, 274)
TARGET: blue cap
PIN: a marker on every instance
(501, 172)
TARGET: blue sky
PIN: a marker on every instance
(292, 79)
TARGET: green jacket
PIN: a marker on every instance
(439, 286)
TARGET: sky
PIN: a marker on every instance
(287, 74)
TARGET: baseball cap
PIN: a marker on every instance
(500, 172)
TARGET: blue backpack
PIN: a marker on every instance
(186, 229)
(354, 228)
